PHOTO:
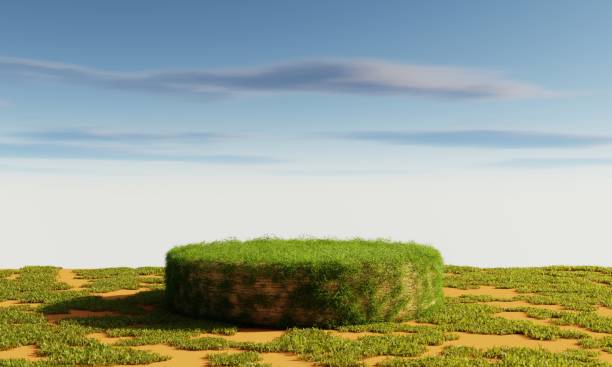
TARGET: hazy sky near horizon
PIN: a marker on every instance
(483, 128)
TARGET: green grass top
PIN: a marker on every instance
(304, 251)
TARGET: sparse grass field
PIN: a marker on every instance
(552, 316)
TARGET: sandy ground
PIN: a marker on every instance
(9, 303)
(26, 352)
(490, 341)
(121, 293)
(523, 304)
(284, 359)
(17, 303)
(69, 277)
(105, 339)
(372, 361)
(198, 358)
(482, 291)
(250, 335)
(604, 311)
(178, 357)
(508, 294)
(53, 318)
(523, 316)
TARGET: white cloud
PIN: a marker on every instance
(342, 76)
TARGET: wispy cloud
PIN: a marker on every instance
(543, 163)
(479, 139)
(3, 103)
(342, 76)
(96, 145)
(45, 151)
(76, 135)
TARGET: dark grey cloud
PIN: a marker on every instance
(479, 139)
(357, 76)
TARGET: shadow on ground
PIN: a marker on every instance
(143, 310)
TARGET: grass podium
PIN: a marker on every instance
(303, 282)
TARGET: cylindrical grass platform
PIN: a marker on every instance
(303, 282)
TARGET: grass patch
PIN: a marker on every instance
(244, 359)
(34, 284)
(580, 288)
(306, 282)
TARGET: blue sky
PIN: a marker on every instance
(317, 89)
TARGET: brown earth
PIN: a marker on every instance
(508, 294)
(53, 318)
(415, 323)
(179, 358)
(10, 303)
(284, 360)
(482, 291)
(523, 304)
(604, 311)
(26, 352)
(513, 315)
(513, 340)
(121, 293)
(373, 361)
(105, 339)
(69, 277)
(182, 358)
(491, 341)
(355, 336)
(250, 335)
